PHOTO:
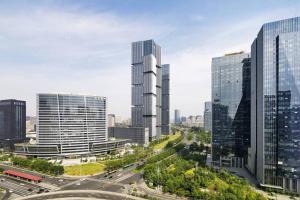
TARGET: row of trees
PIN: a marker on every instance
(155, 142)
(142, 154)
(128, 159)
(38, 165)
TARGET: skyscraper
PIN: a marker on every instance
(165, 99)
(207, 116)
(177, 117)
(146, 83)
(274, 156)
(230, 115)
(12, 121)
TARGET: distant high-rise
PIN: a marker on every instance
(12, 121)
(274, 156)
(111, 120)
(177, 117)
(165, 99)
(207, 116)
(146, 83)
(230, 115)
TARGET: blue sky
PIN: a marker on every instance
(84, 46)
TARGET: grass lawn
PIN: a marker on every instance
(164, 143)
(84, 169)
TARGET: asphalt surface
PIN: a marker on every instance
(87, 194)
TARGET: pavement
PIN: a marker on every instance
(81, 194)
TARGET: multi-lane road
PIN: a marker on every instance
(121, 182)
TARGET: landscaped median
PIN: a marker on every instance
(84, 169)
(163, 144)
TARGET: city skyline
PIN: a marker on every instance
(60, 43)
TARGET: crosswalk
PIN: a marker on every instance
(122, 178)
(17, 188)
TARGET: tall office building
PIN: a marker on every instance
(274, 156)
(12, 121)
(207, 116)
(68, 125)
(230, 114)
(165, 116)
(177, 117)
(72, 122)
(146, 87)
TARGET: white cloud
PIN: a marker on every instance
(56, 50)
(49, 50)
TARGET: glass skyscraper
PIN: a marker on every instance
(165, 104)
(274, 156)
(230, 107)
(207, 116)
(12, 121)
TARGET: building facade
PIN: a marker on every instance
(146, 83)
(207, 116)
(111, 120)
(165, 116)
(274, 156)
(177, 117)
(135, 135)
(12, 121)
(69, 125)
(230, 114)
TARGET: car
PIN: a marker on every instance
(22, 184)
(60, 180)
(2, 179)
(11, 191)
(29, 189)
(47, 191)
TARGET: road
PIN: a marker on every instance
(46, 178)
(121, 182)
(84, 194)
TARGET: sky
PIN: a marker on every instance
(84, 47)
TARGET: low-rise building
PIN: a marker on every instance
(138, 135)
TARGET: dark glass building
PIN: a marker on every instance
(274, 156)
(165, 104)
(12, 121)
(230, 108)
